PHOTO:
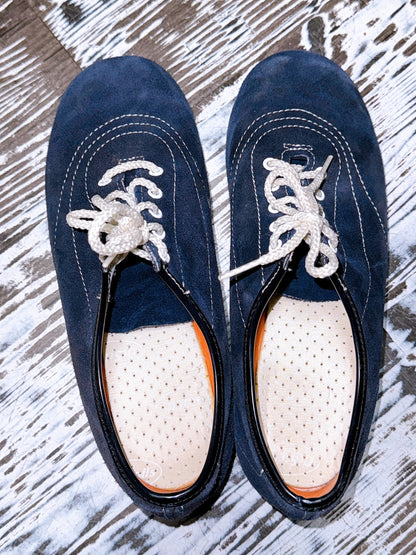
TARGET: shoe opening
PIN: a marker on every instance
(159, 385)
(305, 381)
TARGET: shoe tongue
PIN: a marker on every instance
(142, 299)
(302, 286)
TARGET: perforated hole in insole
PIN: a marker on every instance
(305, 388)
(161, 400)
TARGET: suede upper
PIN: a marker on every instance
(118, 110)
(301, 108)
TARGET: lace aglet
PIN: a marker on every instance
(229, 275)
(327, 164)
(244, 268)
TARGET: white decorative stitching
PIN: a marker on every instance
(102, 145)
(291, 110)
(78, 263)
(288, 147)
(100, 127)
(120, 135)
(253, 180)
(189, 168)
(349, 174)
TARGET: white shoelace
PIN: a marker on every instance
(118, 226)
(302, 214)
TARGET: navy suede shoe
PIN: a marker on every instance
(309, 264)
(130, 228)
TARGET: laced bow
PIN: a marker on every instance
(302, 215)
(118, 226)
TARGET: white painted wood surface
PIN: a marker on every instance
(56, 493)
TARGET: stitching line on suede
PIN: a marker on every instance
(294, 147)
(233, 189)
(97, 129)
(189, 168)
(175, 181)
(291, 110)
(356, 205)
(258, 213)
(352, 190)
(102, 145)
(78, 263)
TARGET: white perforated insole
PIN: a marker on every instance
(161, 402)
(305, 386)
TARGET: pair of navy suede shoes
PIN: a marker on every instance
(130, 228)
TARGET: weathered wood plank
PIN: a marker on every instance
(57, 495)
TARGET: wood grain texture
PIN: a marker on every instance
(56, 494)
